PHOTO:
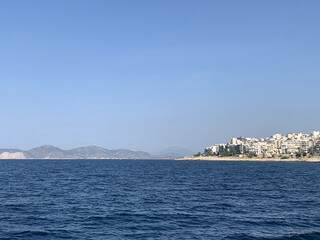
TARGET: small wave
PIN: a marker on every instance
(303, 236)
(31, 233)
(294, 236)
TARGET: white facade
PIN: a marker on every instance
(277, 144)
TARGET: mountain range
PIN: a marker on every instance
(89, 152)
(173, 152)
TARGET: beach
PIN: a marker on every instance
(247, 159)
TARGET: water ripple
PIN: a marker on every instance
(126, 199)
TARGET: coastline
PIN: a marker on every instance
(246, 159)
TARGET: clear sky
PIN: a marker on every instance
(147, 75)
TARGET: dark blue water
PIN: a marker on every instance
(136, 199)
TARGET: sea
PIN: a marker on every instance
(158, 199)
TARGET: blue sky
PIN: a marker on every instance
(147, 75)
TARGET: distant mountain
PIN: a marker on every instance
(99, 152)
(89, 152)
(45, 151)
(173, 152)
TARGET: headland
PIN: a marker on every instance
(293, 147)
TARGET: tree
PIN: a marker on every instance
(197, 154)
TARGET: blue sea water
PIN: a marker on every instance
(158, 199)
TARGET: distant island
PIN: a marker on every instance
(89, 152)
(292, 147)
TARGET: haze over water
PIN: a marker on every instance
(144, 199)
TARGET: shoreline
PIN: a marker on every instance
(246, 159)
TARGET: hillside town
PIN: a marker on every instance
(291, 145)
